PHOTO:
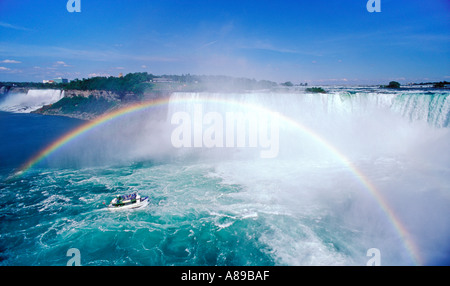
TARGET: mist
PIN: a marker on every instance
(327, 214)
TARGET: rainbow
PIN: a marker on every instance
(361, 177)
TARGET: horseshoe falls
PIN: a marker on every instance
(355, 169)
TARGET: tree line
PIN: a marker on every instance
(141, 82)
(132, 82)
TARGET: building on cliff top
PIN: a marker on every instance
(56, 80)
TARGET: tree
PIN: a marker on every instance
(440, 84)
(315, 90)
(393, 84)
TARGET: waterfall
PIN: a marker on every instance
(432, 108)
(287, 125)
(30, 101)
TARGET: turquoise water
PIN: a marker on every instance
(194, 218)
(230, 207)
(63, 209)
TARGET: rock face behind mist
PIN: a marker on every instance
(100, 94)
(90, 104)
(86, 104)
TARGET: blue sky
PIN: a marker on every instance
(316, 41)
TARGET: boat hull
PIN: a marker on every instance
(141, 204)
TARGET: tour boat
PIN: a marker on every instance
(131, 201)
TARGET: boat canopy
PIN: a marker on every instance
(129, 197)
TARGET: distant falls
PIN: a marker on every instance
(27, 102)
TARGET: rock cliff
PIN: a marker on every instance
(90, 104)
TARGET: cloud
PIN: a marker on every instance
(61, 63)
(10, 26)
(208, 44)
(97, 55)
(10, 71)
(266, 46)
(10, 62)
(103, 55)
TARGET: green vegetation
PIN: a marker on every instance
(220, 83)
(315, 90)
(140, 83)
(393, 84)
(79, 105)
(35, 85)
(288, 83)
(137, 83)
(441, 84)
(435, 84)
